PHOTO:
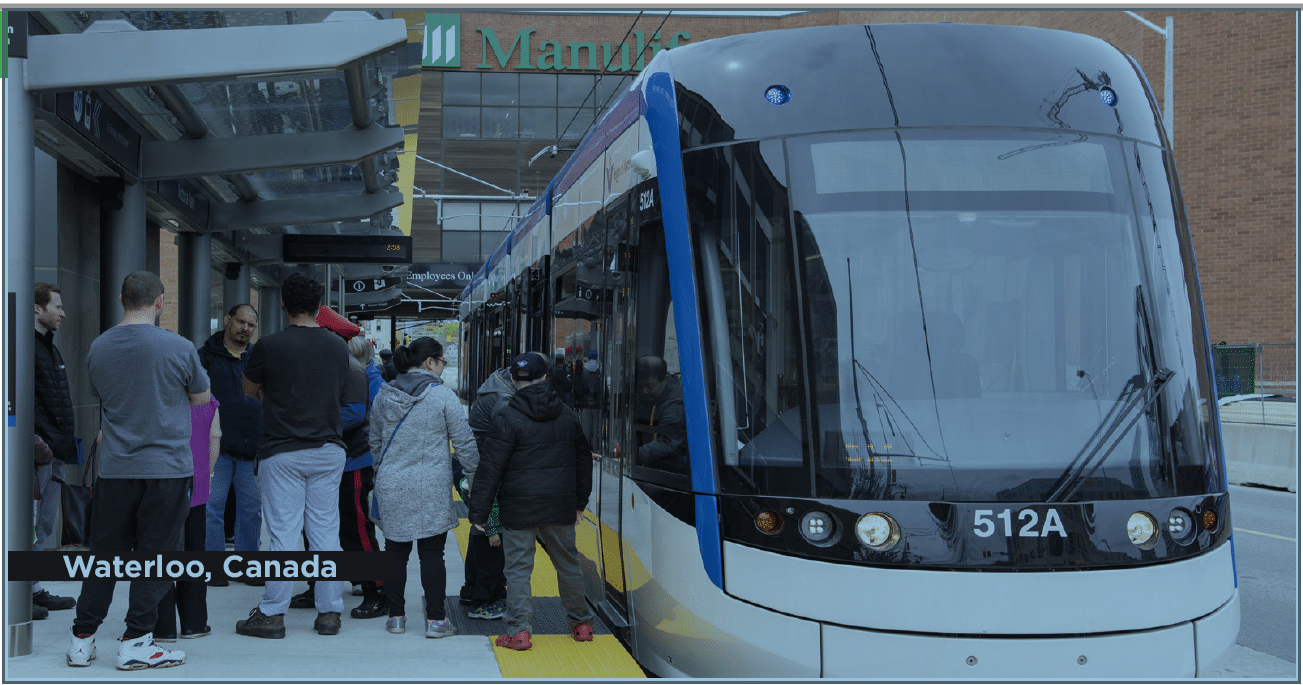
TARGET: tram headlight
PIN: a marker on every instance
(1180, 524)
(878, 531)
(818, 527)
(769, 522)
(1143, 530)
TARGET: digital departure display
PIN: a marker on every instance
(346, 249)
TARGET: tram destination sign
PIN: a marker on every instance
(346, 249)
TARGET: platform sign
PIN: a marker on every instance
(346, 249)
(370, 285)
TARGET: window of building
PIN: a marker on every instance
(500, 89)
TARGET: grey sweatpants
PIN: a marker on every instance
(518, 548)
(300, 493)
(47, 510)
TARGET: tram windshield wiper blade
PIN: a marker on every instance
(1086, 463)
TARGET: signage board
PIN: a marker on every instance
(370, 285)
(91, 114)
(346, 249)
(444, 275)
(442, 40)
(186, 198)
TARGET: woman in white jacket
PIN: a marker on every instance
(412, 421)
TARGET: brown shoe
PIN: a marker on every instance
(327, 623)
(261, 625)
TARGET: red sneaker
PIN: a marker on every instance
(583, 633)
(519, 641)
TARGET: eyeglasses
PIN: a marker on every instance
(441, 360)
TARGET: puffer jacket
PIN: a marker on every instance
(54, 420)
(413, 480)
(536, 462)
(241, 415)
(493, 395)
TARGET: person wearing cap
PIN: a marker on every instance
(389, 372)
(560, 374)
(536, 463)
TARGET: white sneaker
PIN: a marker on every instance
(438, 629)
(82, 651)
(143, 652)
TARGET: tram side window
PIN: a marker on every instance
(660, 423)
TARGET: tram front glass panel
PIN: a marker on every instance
(955, 318)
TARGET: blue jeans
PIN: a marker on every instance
(248, 506)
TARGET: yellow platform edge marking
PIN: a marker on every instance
(542, 582)
(559, 656)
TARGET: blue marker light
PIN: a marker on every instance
(778, 95)
(1108, 97)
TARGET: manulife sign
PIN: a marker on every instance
(528, 51)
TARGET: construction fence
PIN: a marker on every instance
(1260, 368)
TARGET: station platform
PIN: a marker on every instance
(362, 651)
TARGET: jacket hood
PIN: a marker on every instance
(538, 401)
(415, 381)
(591, 366)
(396, 398)
(498, 383)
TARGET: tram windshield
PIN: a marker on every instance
(926, 318)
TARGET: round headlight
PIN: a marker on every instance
(1143, 530)
(878, 531)
(769, 522)
(817, 526)
(1180, 524)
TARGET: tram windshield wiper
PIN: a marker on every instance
(1136, 393)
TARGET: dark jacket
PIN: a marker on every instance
(54, 420)
(241, 414)
(536, 462)
(493, 395)
(668, 447)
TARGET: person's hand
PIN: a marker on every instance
(495, 541)
(596, 456)
(579, 517)
(478, 527)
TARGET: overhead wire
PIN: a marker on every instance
(598, 80)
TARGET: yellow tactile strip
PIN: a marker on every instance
(557, 656)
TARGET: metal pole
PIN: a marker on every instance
(20, 257)
(1168, 85)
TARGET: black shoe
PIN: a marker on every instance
(466, 597)
(53, 602)
(218, 582)
(261, 625)
(191, 634)
(371, 607)
(164, 637)
(256, 582)
(304, 600)
(327, 623)
(39, 612)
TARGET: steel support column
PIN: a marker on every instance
(236, 290)
(195, 282)
(20, 258)
(269, 311)
(122, 251)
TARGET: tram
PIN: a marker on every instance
(927, 298)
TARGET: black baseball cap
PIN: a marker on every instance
(528, 367)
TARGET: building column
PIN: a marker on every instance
(19, 277)
(269, 311)
(235, 290)
(195, 279)
(123, 249)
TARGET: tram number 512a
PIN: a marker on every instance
(984, 523)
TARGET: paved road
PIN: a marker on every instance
(1265, 524)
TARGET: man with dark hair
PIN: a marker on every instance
(537, 464)
(225, 355)
(389, 372)
(146, 379)
(300, 375)
(55, 427)
(660, 406)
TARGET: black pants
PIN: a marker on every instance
(484, 564)
(187, 597)
(356, 532)
(132, 514)
(433, 575)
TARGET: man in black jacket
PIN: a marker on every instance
(54, 425)
(537, 463)
(225, 355)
